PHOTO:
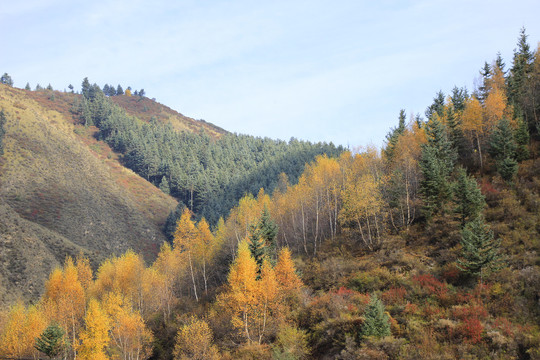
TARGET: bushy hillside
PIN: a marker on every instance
(71, 190)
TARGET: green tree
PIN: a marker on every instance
(51, 342)
(436, 163)
(377, 321)
(468, 197)
(6, 80)
(257, 247)
(521, 67)
(268, 230)
(393, 136)
(119, 90)
(437, 107)
(503, 149)
(522, 138)
(27, 87)
(480, 250)
(164, 185)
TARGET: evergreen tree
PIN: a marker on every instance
(6, 80)
(164, 185)
(70, 87)
(521, 67)
(49, 87)
(480, 251)
(27, 87)
(436, 163)
(51, 342)
(486, 73)
(503, 149)
(437, 107)
(393, 136)
(38, 87)
(119, 90)
(268, 230)
(85, 88)
(377, 322)
(522, 138)
(257, 247)
(468, 197)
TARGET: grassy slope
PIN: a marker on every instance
(145, 109)
(61, 192)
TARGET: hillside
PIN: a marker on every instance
(63, 192)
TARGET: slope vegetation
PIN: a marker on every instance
(62, 192)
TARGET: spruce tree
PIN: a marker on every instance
(522, 138)
(257, 247)
(6, 80)
(437, 107)
(468, 197)
(480, 251)
(393, 136)
(376, 322)
(437, 163)
(502, 148)
(51, 342)
(27, 87)
(268, 230)
(164, 185)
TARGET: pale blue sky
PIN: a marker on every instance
(317, 70)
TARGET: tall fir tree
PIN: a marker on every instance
(393, 136)
(502, 148)
(522, 138)
(437, 162)
(468, 197)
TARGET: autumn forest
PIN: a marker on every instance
(266, 249)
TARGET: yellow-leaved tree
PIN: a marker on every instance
(195, 341)
(19, 331)
(95, 336)
(129, 334)
(186, 241)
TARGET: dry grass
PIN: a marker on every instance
(57, 179)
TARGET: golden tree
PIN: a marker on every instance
(194, 341)
(95, 336)
(185, 241)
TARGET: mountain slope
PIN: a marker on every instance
(62, 192)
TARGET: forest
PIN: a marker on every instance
(425, 249)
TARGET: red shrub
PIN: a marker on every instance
(470, 330)
(432, 285)
(394, 295)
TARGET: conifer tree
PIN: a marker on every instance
(480, 251)
(522, 137)
(51, 341)
(393, 136)
(27, 87)
(164, 185)
(119, 90)
(437, 163)
(468, 197)
(503, 149)
(437, 107)
(377, 322)
(6, 79)
(268, 231)
(257, 247)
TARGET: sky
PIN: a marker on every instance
(332, 71)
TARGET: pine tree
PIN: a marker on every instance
(437, 163)
(257, 247)
(437, 107)
(503, 150)
(268, 231)
(393, 136)
(6, 80)
(480, 251)
(51, 342)
(522, 138)
(377, 321)
(27, 87)
(164, 185)
(468, 197)
(119, 90)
